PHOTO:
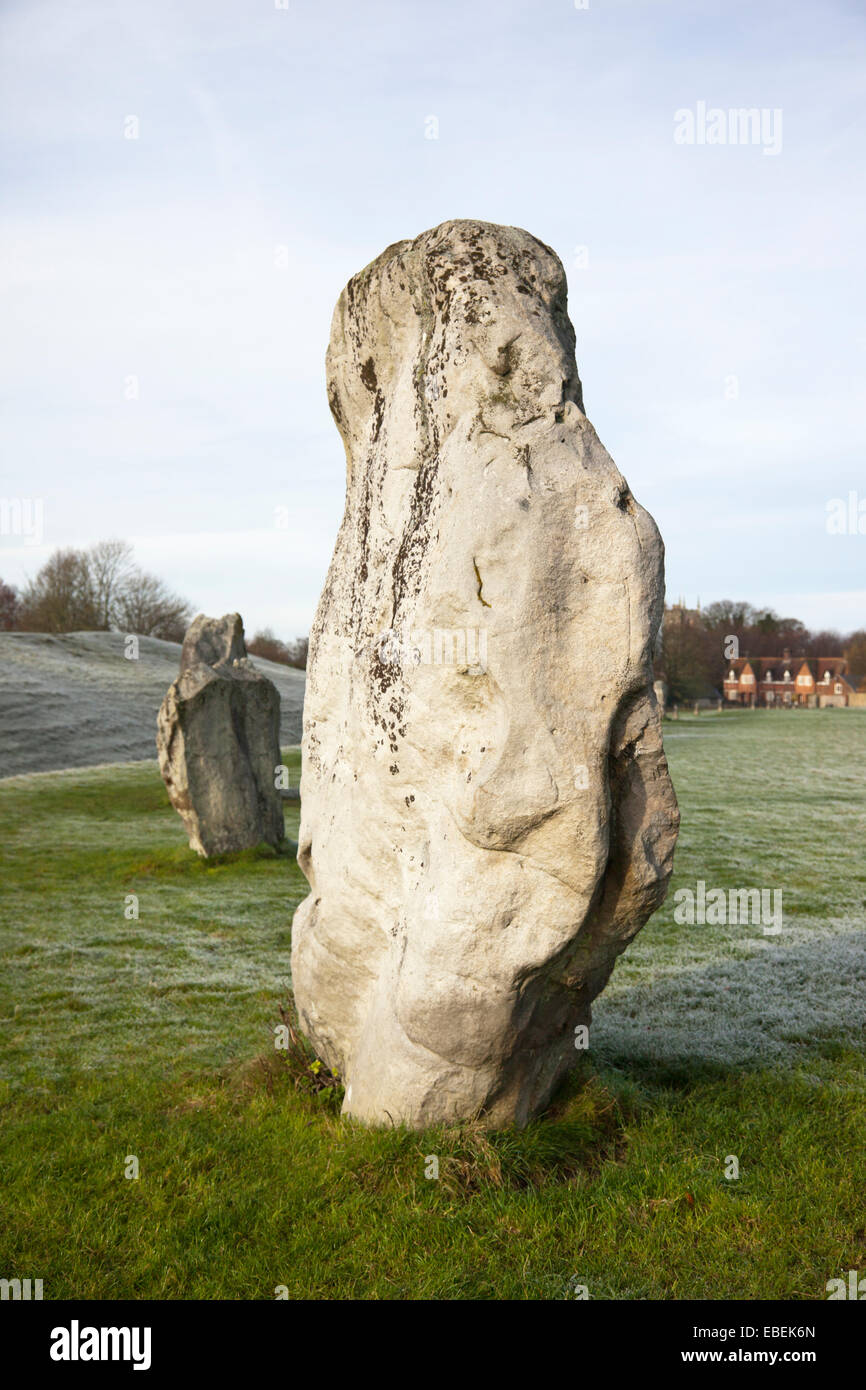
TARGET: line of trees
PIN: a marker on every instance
(271, 648)
(100, 589)
(691, 655)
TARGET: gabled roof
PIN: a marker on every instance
(778, 665)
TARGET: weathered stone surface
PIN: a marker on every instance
(482, 835)
(218, 741)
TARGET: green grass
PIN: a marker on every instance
(154, 1037)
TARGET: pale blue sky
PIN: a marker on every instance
(304, 129)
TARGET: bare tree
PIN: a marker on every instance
(144, 605)
(10, 607)
(298, 651)
(271, 648)
(60, 598)
(685, 656)
(268, 647)
(110, 564)
(728, 616)
(101, 589)
(827, 642)
(855, 653)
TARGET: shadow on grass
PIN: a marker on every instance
(180, 861)
(786, 1006)
(582, 1129)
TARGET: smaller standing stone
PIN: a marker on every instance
(218, 741)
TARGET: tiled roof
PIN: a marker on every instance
(777, 665)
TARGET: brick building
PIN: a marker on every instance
(814, 682)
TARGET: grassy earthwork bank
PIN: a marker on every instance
(152, 1037)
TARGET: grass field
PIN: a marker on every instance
(154, 1037)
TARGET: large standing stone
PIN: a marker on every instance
(218, 740)
(487, 816)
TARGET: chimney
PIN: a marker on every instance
(786, 654)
